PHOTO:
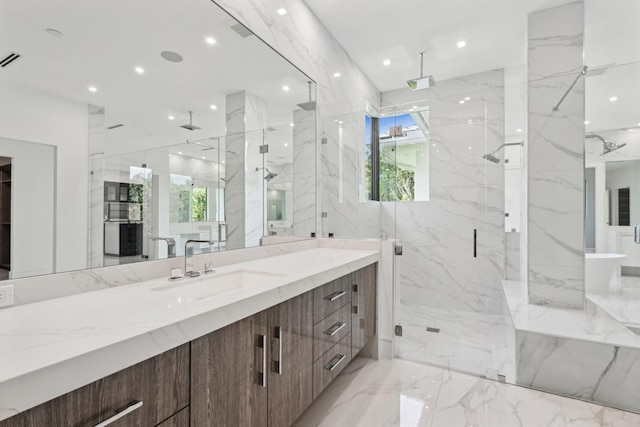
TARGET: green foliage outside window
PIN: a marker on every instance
(198, 204)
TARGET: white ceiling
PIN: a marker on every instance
(495, 35)
(104, 41)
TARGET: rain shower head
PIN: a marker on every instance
(309, 105)
(609, 146)
(491, 157)
(422, 82)
(190, 126)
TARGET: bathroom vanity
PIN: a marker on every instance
(252, 344)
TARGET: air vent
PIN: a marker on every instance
(241, 30)
(119, 125)
(9, 59)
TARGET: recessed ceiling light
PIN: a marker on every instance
(291, 124)
(586, 122)
(638, 124)
(470, 121)
(286, 145)
(415, 106)
(93, 89)
(139, 70)
(383, 114)
(171, 118)
(469, 148)
(171, 56)
(285, 88)
(336, 75)
(223, 161)
(179, 152)
(213, 106)
(282, 11)
(210, 40)
(340, 122)
(433, 145)
(613, 99)
(386, 62)
(519, 130)
(462, 101)
(461, 44)
(203, 157)
(467, 98)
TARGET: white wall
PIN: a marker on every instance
(32, 203)
(35, 116)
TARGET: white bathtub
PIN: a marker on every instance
(602, 272)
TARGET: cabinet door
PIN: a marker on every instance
(227, 368)
(291, 376)
(152, 391)
(364, 288)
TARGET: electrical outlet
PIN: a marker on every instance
(6, 295)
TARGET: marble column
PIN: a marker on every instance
(556, 157)
(304, 172)
(97, 134)
(245, 187)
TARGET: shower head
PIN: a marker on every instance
(270, 176)
(491, 157)
(422, 82)
(190, 126)
(609, 146)
(309, 105)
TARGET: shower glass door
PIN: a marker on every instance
(451, 229)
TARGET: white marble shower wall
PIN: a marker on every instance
(304, 173)
(556, 157)
(439, 282)
(97, 134)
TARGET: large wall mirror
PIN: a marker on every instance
(123, 134)
(612, 152)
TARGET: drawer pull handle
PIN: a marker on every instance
(278, 336)
(262, 376)
(335, 329)
(334, 296)
(333, 364)
(129, 409)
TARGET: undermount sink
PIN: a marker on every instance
(212, 284)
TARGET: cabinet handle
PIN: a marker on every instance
(278, 363)
(335, 329)
(262, 376)
(475, 243)
(132, 407)
(333, 364)
(334, 296)
(354, 288)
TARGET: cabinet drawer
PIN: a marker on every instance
(160, 383)
(330, 330)
(331, 364)
(329, 298)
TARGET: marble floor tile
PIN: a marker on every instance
(401, 393)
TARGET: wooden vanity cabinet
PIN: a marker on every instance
(160, 383)
(363, 324)
(255, 372)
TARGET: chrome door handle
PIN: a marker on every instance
(335, 329)
(334, 296)
(333, 365)
(277, 332)
(129, 409)
(262, 378)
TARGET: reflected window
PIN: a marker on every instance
(277, 205)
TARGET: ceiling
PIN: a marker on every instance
(495, 35)
(103, 42)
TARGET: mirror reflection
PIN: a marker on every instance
(131, 137)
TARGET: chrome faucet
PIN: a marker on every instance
(171, 245)
(188, 257)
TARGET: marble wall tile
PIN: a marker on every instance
(512, 256)
(586, 370)
(97, 134)
(304, 173)
(555, 233)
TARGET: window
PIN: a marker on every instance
(397, 156)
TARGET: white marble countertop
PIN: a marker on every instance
(592, 324)
(51, 347)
